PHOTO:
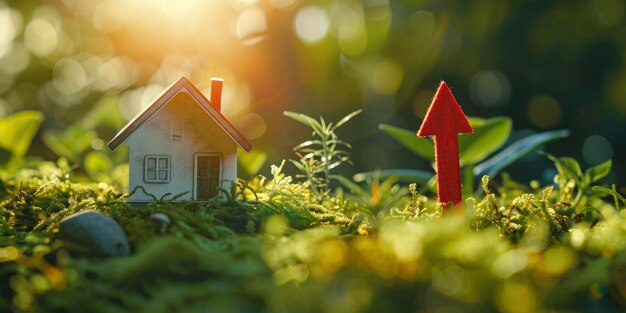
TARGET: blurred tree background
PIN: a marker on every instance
(92, 65)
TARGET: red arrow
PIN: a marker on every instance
(444, 120)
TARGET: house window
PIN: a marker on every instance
(183, 130)
(157, 169)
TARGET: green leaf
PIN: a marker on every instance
(307, 120)
(5, 156)
(571, 167)
(97, 164)
(346, 118)
(476, 121)
(252, 161)
(54, 140)
(420, 146)
(354, 188)
(516, 151)
(488, 136)
(69, 143)
(17, 132)
(105, 112)
(405, 175)
(611, 192)
(597, 172)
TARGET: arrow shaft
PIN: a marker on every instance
(448, 169)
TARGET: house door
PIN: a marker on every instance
(208, 173)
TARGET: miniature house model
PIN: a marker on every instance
(182, 143)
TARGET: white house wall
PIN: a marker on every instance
(154, 138)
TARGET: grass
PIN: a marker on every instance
(273, 247)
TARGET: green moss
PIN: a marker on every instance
(272, 248)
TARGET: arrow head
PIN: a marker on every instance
(444, 116)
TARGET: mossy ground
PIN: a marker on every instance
(269, 248)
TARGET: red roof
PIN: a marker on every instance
(164, 98)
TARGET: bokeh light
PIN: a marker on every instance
(311, 24)
(115, 73)
(41, 34)
(251, 23)
(596, 150)
(69, 77)
(350, 28)
(525, 298)
(489, 88)
(321, 58)
(386, 77)
(544, 112)
(252, 126)
(15, 60)
(10, 23)
(135, 100)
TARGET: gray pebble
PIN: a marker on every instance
(161, 217)
(97, 231)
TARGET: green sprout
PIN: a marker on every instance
(317, 157)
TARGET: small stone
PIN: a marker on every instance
(161, 217)
(100, 233)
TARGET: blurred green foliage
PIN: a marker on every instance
(90, 66)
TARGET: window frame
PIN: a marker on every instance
(157, 169)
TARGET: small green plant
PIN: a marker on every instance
(317, 157)
(378, 196)
(236, 191)
(570, 177)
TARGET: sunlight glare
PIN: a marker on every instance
(10, 24)
(115, 73)
(282, 4)
(252, 125)
(252, 22)
(135, 100)
(176, 9)
(109, 16)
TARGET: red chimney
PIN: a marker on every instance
(216, 93)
